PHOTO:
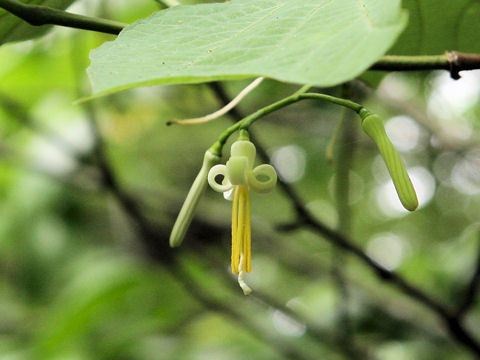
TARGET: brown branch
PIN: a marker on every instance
(453, 61)
(38, 15)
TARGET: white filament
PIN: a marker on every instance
(245, 288)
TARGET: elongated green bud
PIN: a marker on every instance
(372, 124)
(187, 211)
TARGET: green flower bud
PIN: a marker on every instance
(185, 216)
(372, 124)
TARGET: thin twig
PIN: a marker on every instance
(222, 111)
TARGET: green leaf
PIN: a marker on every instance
(13, 28)
(319, 42)
(436, 26)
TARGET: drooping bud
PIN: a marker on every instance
(190, 204)
(372, 124)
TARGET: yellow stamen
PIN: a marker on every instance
(235, 240)
(241, 224)
(241, 230)
(248, 236)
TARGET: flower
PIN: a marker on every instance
(239, 176)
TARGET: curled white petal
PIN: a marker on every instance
(263, 178)
(213, 173)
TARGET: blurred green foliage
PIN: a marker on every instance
(76, 282)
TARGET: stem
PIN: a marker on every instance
(299, 95)
(42, 15)
(335, 100)
(411, 63)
